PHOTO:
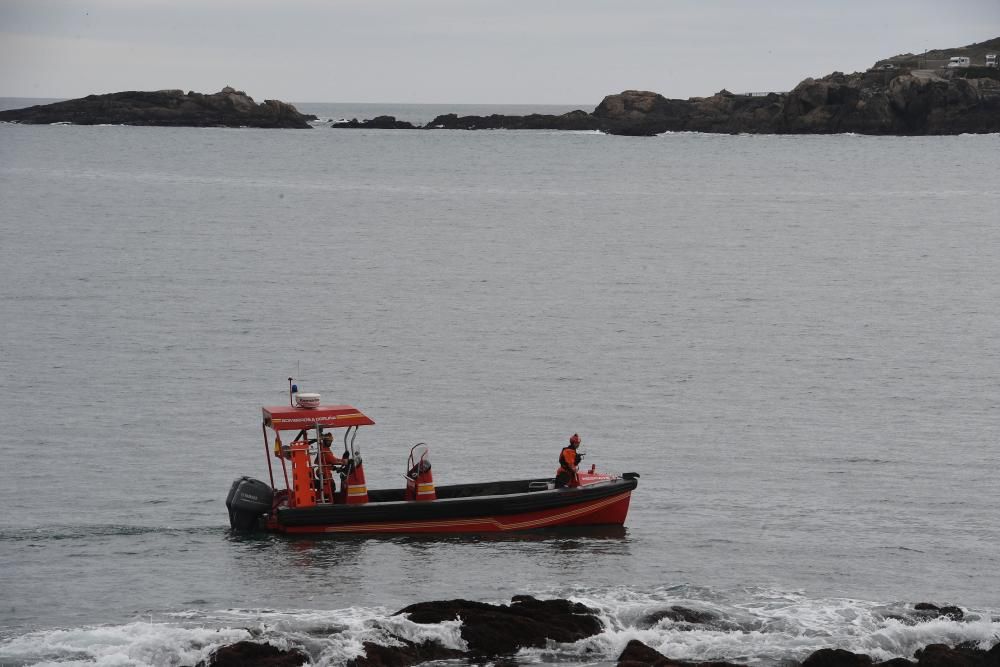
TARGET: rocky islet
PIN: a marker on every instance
(169, 108)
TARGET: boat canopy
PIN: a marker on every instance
(288, 418)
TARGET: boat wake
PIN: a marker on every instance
(92, 531)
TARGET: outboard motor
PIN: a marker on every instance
(247, 501)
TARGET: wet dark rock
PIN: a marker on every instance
(574, 120)
(940, 655)
(377, 123)
(409, 653)
(933, 655)
(227, 108)
(925, 611)
(251, 654)
(836, 657)
(952, 612)
(896, 662)
(503, 629)
(637, 654)
(678, 614)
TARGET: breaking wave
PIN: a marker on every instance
(755, 626)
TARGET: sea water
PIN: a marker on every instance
(792, 339)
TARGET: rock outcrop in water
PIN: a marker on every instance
(488, 630)
(247, 653)
(377, 123)
(227, 108)
(684, 615)
(895, 98)
(403, 654)
(574, 120)
(503, 629)
(637, 654)
(894, 102)
(926, 611)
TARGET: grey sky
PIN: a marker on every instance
(456, 51)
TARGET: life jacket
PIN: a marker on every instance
(327, 460)
(568, 460)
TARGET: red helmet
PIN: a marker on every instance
(574, 439)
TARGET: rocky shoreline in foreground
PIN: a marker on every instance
(495, 633)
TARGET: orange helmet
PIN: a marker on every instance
(574, 439)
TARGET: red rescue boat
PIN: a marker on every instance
(314, 491)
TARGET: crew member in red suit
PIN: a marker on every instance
(569, 459)
(327, 461)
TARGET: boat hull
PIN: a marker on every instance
(461, 510)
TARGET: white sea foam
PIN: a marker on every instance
(132, 645)
(336, 636)
(329, 637)
(755, 626)
(764, 627)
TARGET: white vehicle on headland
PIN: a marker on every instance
(991, 60)
(959, 61)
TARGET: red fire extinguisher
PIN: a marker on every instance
(419, 478)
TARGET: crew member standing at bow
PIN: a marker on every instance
(569, 459)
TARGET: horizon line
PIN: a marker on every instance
(549, 104)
